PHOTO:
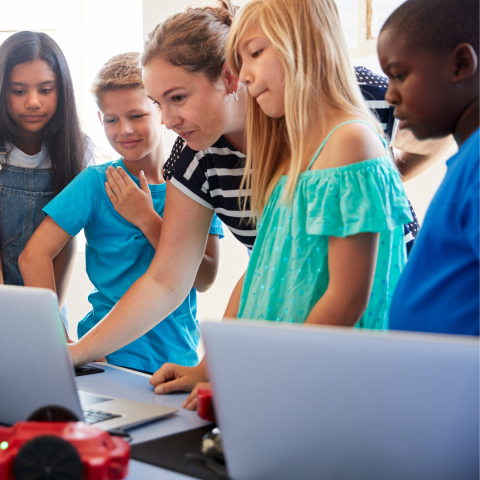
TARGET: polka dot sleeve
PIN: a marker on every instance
(169, 165)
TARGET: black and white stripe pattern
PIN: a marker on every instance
(373, 89)
(212, 178)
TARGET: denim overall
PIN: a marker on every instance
(23, 194)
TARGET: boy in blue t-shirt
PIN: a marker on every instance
(120, 205)
(429, 49)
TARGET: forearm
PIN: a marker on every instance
(1, 271)
(63, 268)
(414, 157)
(335, 308)
(137, 312)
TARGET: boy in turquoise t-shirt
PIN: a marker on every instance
(120, 206)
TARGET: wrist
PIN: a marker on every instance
(150, 220)
(77, 354)
(202, 370)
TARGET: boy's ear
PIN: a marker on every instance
(465, 62)
(100, 117)
(231, 80)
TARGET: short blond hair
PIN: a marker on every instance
(121, 71)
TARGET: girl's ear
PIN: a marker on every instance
(100, 117)
(230, 79)
(466, 62)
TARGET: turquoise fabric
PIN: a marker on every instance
(288, 269)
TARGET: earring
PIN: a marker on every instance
(235, 96)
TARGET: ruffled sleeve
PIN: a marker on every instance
(363, 197)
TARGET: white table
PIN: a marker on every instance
(122, 383)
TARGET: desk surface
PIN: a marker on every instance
(122, 383)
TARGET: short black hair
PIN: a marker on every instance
(438, 25)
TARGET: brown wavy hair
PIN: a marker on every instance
(193, 39)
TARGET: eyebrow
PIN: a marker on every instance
(20, 84)
(168, 92)
(245, 45)
(392, 65)
(130, 112)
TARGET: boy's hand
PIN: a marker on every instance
(173, 378)
(191, 402)
(134, 204)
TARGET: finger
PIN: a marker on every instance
(144, 183)
(172, 386)
(165, 373)
(192, 396)
(192, 405)
(125, 177)
(113, 184)
(118, 179)
(113, 198)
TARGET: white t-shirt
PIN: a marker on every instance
(17, 158)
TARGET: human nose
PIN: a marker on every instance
(246, 75)
(32, 102)
(169, 118)
(391, 95)
(125, 128)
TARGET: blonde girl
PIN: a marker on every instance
(329, 203)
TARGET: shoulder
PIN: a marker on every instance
(93, 176)
(349, 144)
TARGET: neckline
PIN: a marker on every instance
(351, 166)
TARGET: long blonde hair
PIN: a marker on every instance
(310, 43)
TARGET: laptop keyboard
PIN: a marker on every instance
(95, 416)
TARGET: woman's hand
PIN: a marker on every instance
(173, 378)
(134, 204)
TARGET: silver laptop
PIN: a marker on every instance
(36, 369)
(331, 403)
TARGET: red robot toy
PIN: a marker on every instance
(59, 450)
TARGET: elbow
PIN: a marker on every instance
(205, 277)
(354, 310)
(24, 260)
(201, 285)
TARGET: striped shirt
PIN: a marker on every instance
(212, 177)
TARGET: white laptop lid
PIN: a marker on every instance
(35, 366)
(332, 403)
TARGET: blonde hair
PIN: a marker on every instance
(311, 46)
(193, 39)
(121, 71)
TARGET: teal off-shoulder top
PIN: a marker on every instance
(288, 269)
